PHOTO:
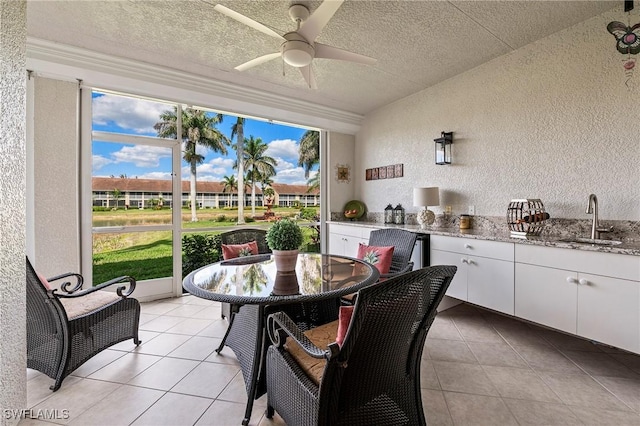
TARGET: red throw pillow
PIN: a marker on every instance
(380, 257)
(44, 281)
(344, 319)
(231, 251)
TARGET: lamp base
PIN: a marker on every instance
(425, 218)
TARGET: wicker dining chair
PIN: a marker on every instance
(403, 242)
(373, 378)
(240, 236)
(68, 326)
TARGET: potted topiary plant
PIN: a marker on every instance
(284, 239)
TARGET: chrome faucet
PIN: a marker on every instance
(592, 208)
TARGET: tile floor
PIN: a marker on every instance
(479, 368)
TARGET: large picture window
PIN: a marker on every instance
(163, 172)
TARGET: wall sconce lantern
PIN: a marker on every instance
(443, 148)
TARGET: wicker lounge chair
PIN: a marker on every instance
(67, 327)
(403, 242)
(374, 377)
(240, 236)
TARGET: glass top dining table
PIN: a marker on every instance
(253, 286)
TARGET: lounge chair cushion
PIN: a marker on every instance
(79, 306)
(321, 336)
(231, 251)
(380, 257)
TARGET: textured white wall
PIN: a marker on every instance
(341, 151)
(13, 392)
(553, 120)
(56, 188)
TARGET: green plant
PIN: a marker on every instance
(284, 234)
(309, 213)
(199, 250)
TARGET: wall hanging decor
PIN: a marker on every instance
(384, 172)
(343, 173)
(627, 41)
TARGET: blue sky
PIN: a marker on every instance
(120, 114)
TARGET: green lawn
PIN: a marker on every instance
(146, 255)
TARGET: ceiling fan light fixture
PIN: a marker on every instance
(297, 53)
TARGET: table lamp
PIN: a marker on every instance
(425, 197)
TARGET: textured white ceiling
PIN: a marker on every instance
(417, 43)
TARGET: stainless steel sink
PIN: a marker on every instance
(592, 241)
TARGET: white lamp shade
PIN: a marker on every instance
(426, 196)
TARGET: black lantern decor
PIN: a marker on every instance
(398, 215)
(443, 148)
(388, 214)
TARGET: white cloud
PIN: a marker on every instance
(156, 175)
(283, 148)
(292, 176)
(210, 169)
(98, 162)
(128, 113)
(141, 155)
(227, 163)
(283, 165)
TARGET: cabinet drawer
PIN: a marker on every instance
(352, 231)
(606, 264)
(472, 247)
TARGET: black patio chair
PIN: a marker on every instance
(374, 377)
(240, 236)
(66, 327)
(403, 242)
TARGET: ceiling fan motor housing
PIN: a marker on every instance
(296, 51)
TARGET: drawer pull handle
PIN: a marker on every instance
(583, 281)
(572, 280)
(463, 260)
(471, 262)
(467, 246)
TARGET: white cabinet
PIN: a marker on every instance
(485, 273)
(344, 239)
(590, 294)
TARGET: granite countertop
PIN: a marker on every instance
(629, 247)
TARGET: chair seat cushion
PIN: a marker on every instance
(76, 307)
(231, 251)
(344, 319)
(321, 336)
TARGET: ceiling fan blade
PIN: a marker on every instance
(329, 52)
(307, 73)
(257, 61)
(247, 21)
(311, 28)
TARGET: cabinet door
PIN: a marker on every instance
(458, 286)
(351, 245)
(336, 243)
(490, 284)
(547, 296)
(609, 311)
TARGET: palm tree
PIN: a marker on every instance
(258, 165)
(309, 151)
(116, 194)
(314, 182)
(229, 183)
(198, 127)
(238, 130)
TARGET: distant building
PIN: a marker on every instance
(147, 193)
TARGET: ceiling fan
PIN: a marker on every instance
(298, 47)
